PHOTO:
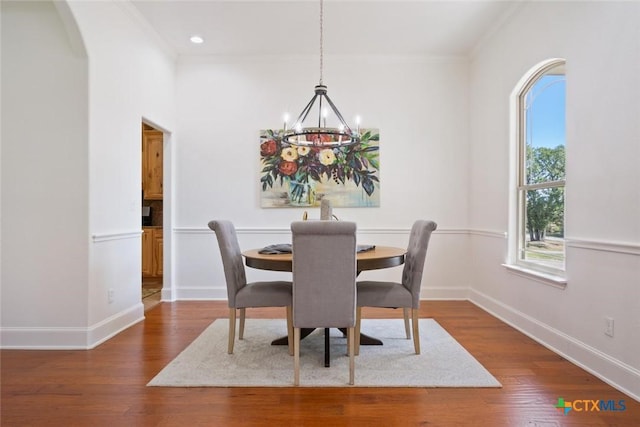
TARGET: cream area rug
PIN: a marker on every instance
(255, 363)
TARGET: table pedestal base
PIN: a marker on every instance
(304, 332)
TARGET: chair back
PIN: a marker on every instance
(231, 258)
(324, 274)
(415, 258)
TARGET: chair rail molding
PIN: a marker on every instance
(281, 230)
(604, 246)
(118, 235)
(488, 233)
(630, 248)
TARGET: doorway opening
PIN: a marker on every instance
(152, 215)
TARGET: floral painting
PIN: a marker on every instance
(293, 176)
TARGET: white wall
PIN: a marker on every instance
(131, 77)
(45, 194)
(71, 172)
(419, 105)
(601, 43)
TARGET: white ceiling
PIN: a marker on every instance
(264, 27)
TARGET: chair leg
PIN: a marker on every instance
(232, 329)
(290, 329)
(296, 356)
(357, 331)
(351, 343)
(416, 331)
(241, 329)
(407, 327)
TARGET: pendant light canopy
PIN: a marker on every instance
(319, 134)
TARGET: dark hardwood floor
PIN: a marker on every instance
(106, 386)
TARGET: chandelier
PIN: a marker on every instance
(320, 135)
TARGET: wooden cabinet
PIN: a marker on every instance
(157, 252)
(152, 164)
(152, 142)
(152, 252)
(147, 253)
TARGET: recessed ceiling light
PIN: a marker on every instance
(196, 40)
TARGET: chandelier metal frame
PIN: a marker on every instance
(321, 135)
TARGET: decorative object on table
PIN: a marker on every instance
(276, 249)
(256, 363)
(324, 257)
(318, 134)
(300, 176)
(241, 294)
(406, 293)
(326, 211)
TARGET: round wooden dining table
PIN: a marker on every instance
(373, 259)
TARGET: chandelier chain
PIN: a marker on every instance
(321, 40)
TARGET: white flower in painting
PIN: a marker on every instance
(303, 151)
(289, 154)
(327, 157)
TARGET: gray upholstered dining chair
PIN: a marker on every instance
(241, 294)
(405, 294)
(324, 281)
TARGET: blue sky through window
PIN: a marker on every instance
(546, 112)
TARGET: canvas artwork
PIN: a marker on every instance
(301, 176)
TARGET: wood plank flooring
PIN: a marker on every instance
(149, 284)
(106, 386)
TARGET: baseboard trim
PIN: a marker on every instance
(619, 375)
(43, 338)
(108, 328)
(69, 338)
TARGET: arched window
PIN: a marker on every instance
(540, 169)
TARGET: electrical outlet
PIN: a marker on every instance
(609, 326)
(110, 295)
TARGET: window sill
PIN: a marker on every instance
(546, 278)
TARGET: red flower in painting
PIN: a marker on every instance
(287, 168)
(268, 148)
